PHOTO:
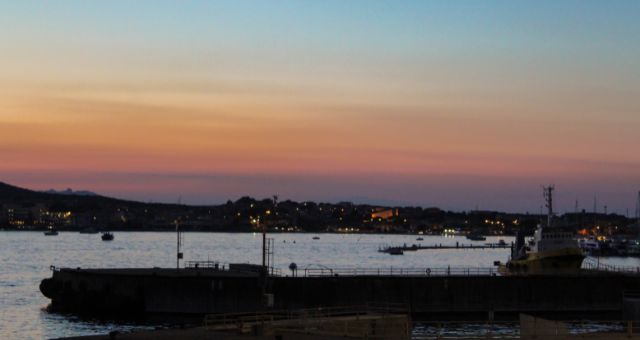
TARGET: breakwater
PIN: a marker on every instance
(427, 295)
(457, 246)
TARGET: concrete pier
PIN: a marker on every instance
(206, 291)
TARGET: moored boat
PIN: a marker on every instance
(474, 236)
(551, 250)
(590, 245)
(395, 251)
(51, 232)
(107, 236)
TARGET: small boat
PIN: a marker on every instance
(395, 251)
(590, 246)
(107, 236)
(316, 238)
(51, 232)
(420, 239)
(476, 237)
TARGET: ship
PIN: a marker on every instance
(551, 250)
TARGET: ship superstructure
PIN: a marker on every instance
(551, 249)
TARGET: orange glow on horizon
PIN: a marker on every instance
(129, 136)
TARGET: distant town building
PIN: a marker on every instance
(384, 213)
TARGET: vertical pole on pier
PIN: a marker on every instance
(178, 244)
(266, 252)
(264, 244)
(595, 210)
(548, 196)
(638, 211)
(575, 214)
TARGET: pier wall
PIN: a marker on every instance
(152, 291)
(201, 292)
(479, 295)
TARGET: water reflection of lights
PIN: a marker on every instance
(450, 232)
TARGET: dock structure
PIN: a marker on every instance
(457, 246)
(428, 293)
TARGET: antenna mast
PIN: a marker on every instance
(595, 211)
(638, 210)
(264, 244)
(548, 197)
(575, 215)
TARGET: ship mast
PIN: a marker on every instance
(548, 197)
(264, 243)
(638, 211)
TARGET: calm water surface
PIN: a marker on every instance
(25, 258)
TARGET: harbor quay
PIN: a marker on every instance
(427, 294)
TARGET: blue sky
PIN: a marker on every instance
(353, 98)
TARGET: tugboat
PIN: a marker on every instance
(107, 236)
(552, 250)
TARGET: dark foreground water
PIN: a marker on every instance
(25, 258)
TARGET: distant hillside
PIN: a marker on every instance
(69, 191)
(66, 200)
(13, 194)
(27, 209)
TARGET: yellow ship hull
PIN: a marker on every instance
(567, 260)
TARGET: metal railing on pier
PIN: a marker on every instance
(215, 265)
(275, 271)
(391, 271)
(589, 267)
(596, 265)
(205, 265)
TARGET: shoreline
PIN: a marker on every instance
(237, 232)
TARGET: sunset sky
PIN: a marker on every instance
(453, 104)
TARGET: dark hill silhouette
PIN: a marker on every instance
(69, 191)
(13, 195)
(24, 208)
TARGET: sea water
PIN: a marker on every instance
(26, 258)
